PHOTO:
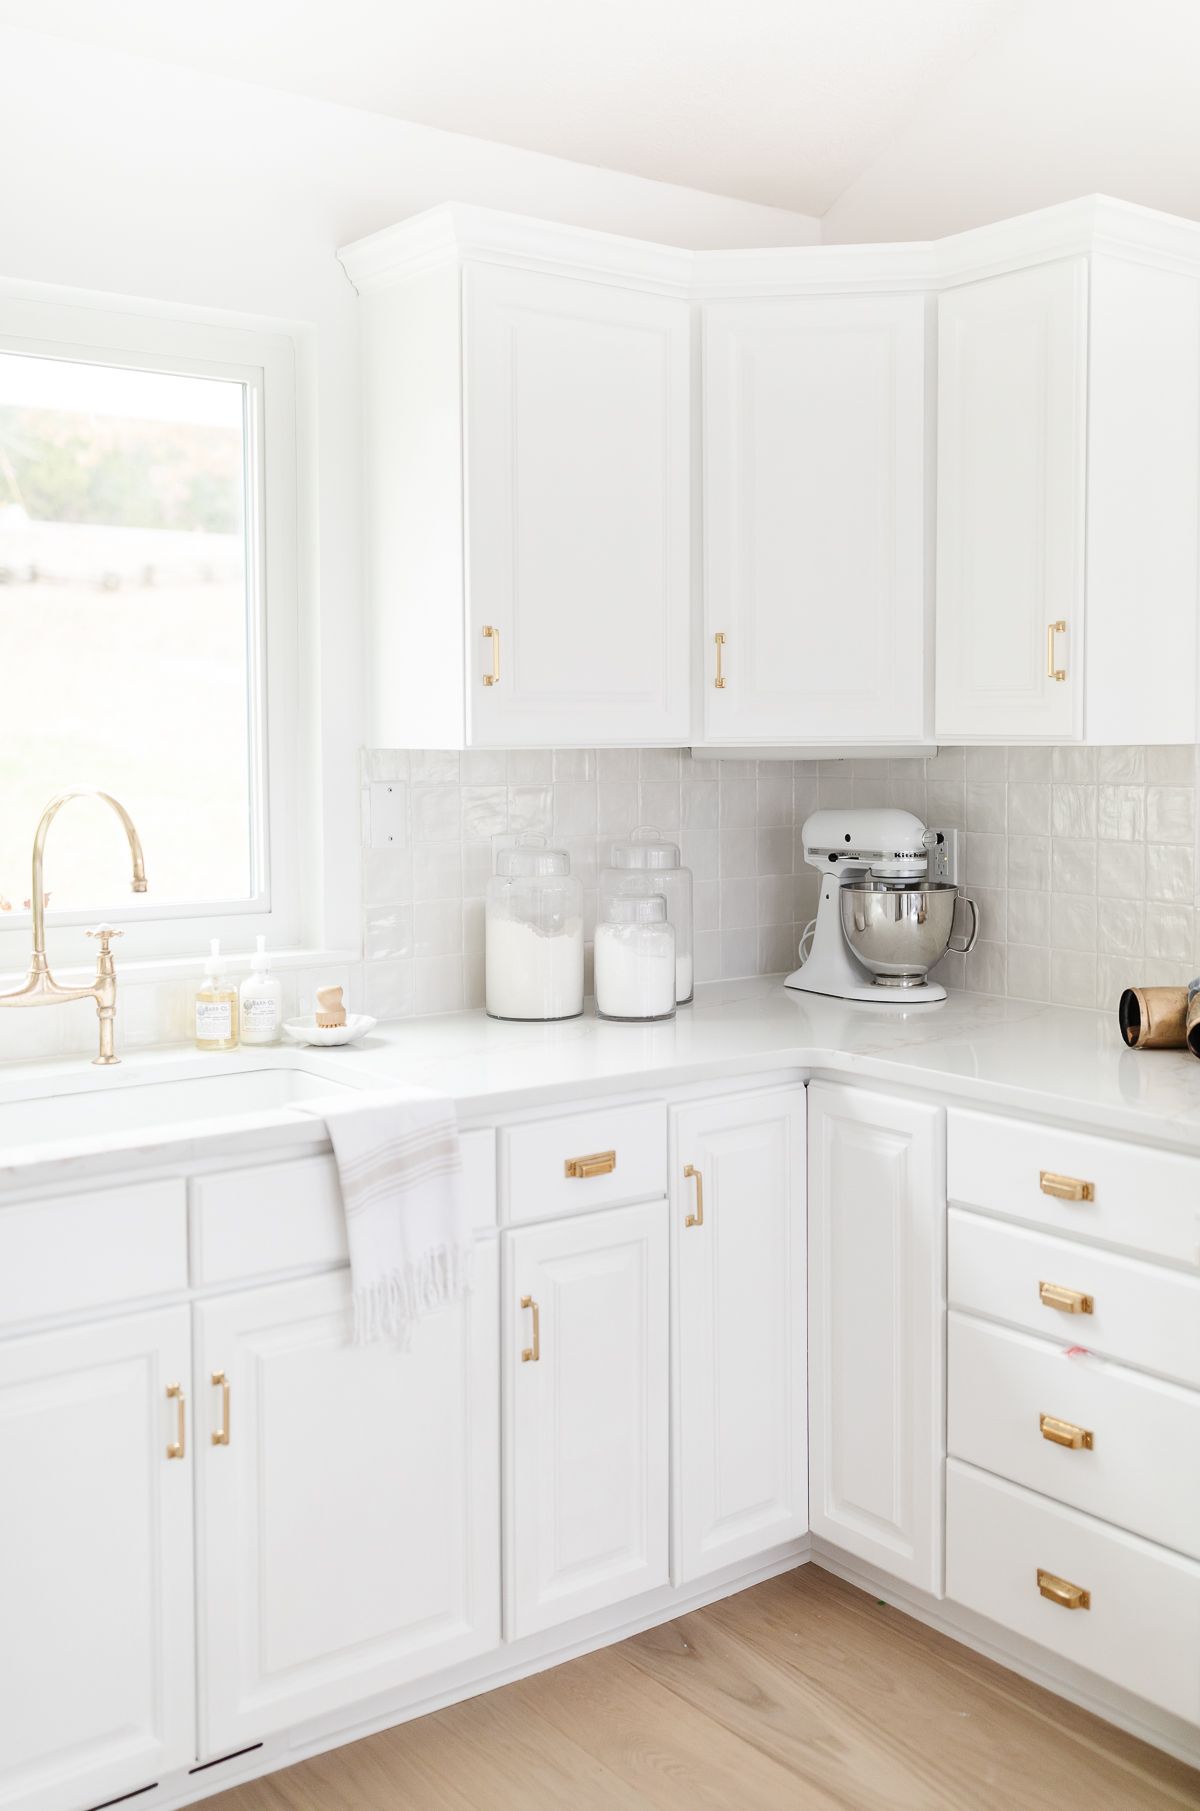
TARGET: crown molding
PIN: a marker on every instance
(455, 233)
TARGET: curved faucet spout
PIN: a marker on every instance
(37, 898)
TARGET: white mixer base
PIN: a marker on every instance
(926, 993)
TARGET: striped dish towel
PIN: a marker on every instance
(400, 1167)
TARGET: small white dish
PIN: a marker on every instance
(328, 1037)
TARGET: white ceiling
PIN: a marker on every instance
(778, 101)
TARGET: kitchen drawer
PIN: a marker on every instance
(1141, 1469)
(1142, 1629)
(288, 1216)
(88, 1250)
(1141, 1314)
(1144, 1200)
(608, 1157)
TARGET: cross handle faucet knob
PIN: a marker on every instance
(106, 933)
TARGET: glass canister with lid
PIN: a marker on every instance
(533, 933)
(645, 863)
(635, 958)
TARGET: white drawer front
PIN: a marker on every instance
(1136, 1457)
(288, 1216)
(83, 1251)
(1141, 1314)
(608, 1157)
(1142, 1629)
(1144, 1200)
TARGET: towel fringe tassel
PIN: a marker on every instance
(394, 1302)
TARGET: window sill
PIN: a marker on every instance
(189, 968)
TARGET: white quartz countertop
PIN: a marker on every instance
(1045, 1062)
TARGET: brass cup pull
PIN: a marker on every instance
(492, 634)
(694, 1175)
(1065, 1188)
(1067, 1301)
(178, 1446)
(1053, 629)
(1061, 1591)
(600, 1163)
(221, 1434)
(719, 681)
(1065, 1433)
(531, 1354)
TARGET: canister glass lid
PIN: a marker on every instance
(531, 855)
(647, 847)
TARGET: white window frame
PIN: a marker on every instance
(265, 364)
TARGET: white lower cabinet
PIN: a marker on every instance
(876, 1241)
(349, 1528)
(586, 1351)
(738, 1239)
(96, 1626)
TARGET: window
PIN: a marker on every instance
(145, 574)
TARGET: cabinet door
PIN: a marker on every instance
(740, 1403)
(96, 1621)
(1011, 467)
(349, 1529)
(577, 506)
(586, 1356)
(814, 519)
(876, 1302)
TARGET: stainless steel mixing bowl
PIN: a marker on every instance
(899, 932)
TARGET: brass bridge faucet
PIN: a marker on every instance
(40, 988)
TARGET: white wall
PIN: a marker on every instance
(1074, 97)
(138, 179)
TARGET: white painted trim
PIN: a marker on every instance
(59, 324)
(456, 233)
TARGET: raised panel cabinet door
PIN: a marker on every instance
(814, 519)
(586, 1345)
(877, 1329)
(96, 1611)
(740, 1360)
(577, 511)
(1012, 380)
(349, 1524)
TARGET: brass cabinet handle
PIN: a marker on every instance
(493, 635)
(178, 1447)
(600, 1163)
(221, 1436)
(719, 681)
(1053, 629)
(533, 1353)
(1065, 1188)
(694, 1175)
(1065, 1433)
(1067, 1301)
(1062, 1591)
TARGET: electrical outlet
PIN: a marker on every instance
(389, 814)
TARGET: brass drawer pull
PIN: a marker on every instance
(600, 1163)
(1065, 1433)
(1066, 1188)
(531, 1354)
(1062, 1591)
(1053, 629)
(719, 639)
(221, 1436)
(1067, 1301)
(493, 635)
(694, 1175)
(178, 1447)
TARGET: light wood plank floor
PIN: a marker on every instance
(802, 1694)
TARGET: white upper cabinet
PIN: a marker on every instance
(816, 599)
(528, 465)
(1068, 476)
